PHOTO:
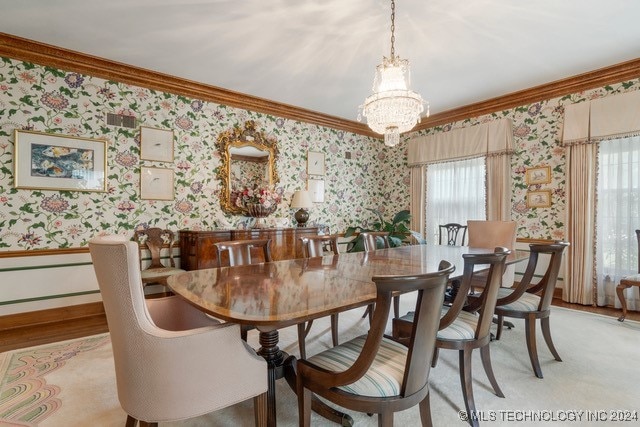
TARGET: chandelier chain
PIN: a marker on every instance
(393, 28)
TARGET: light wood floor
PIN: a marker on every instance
(76, 328)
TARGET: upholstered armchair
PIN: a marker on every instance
(172, 362)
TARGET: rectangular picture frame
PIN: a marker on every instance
(315, 187)
(48, 161)
(156, 183)
(538, 175)
(315, 163)
(156, 144)
(539, 199)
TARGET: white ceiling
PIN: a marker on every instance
(321, 55)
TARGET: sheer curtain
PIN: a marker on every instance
(455, 193)
(618, 216)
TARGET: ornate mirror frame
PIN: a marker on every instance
(242, 137)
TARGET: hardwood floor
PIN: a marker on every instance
(28, 336)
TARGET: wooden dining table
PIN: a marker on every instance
(278, 294)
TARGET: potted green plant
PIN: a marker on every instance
(398, 229)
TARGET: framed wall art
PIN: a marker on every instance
(538, 175)
(315, 163)
(315, 187)
(539, 199)
(156, 183)
(46, 161)
(156, 144)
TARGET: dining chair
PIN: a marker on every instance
(449, 234)
(531, 301)
(373, 373)
(243, 252)
(492, 234)
(155, 239)
(465, 328)
(172, 361)
(378, 240)
(628, 282)
(313, 247)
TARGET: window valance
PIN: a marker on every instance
(605, 118)
(494, 138)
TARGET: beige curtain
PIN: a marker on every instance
(492, 140)
(585, 124)
(418, 185)
(581, 184)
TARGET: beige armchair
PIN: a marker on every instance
(172, 361)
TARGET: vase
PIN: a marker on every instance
(259, 212)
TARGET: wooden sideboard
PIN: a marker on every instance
(197, 249)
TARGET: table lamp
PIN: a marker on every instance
(301, 199)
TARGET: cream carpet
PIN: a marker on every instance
(72, 383)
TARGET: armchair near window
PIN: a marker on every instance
(172, 362)
(628, 282)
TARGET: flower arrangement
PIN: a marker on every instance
(266, 197)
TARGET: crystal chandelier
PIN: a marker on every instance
(392, 108)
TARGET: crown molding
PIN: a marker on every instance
(44, 54)
(621, 72)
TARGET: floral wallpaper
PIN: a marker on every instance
(46, 99)
(537, 131)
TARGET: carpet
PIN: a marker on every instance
(72, 383)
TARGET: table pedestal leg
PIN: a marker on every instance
(275, 358)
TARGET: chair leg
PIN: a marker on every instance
(466, 381)
(530, 332)
(301, 335)
(425, 412)
(623, 302)
(546, 332)
(500, 323)
(385, 419)
(260, 410)
(131, 422)
(304, 406)
(368, 312)
(334, 329)
(396, 307)
(434, 359)
(485, 355)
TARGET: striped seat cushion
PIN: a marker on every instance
(462, 328)
(385, 374)
(527, 302)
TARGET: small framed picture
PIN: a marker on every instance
(156, 144)
(539, 175)
(539, 199)
(156, 183)
(46, 161)
(315, 163)
(315, 187)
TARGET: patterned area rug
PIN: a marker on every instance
(26, 397)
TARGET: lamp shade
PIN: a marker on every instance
(301, 199)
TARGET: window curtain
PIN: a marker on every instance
(455, 193)
(417, 190)
(586, 124)
(492, 140)
(617, 219)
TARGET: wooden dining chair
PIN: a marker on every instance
(155, 240)
(378, 240)
(531, 301)
(466, 327)
(314, 247)
(172, 361)
(628, 282)
(243, 252)
(449, 234)
(372, 373)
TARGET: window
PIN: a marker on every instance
(455, 193)
(618, 214)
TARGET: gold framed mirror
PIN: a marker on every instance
(248, 159)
